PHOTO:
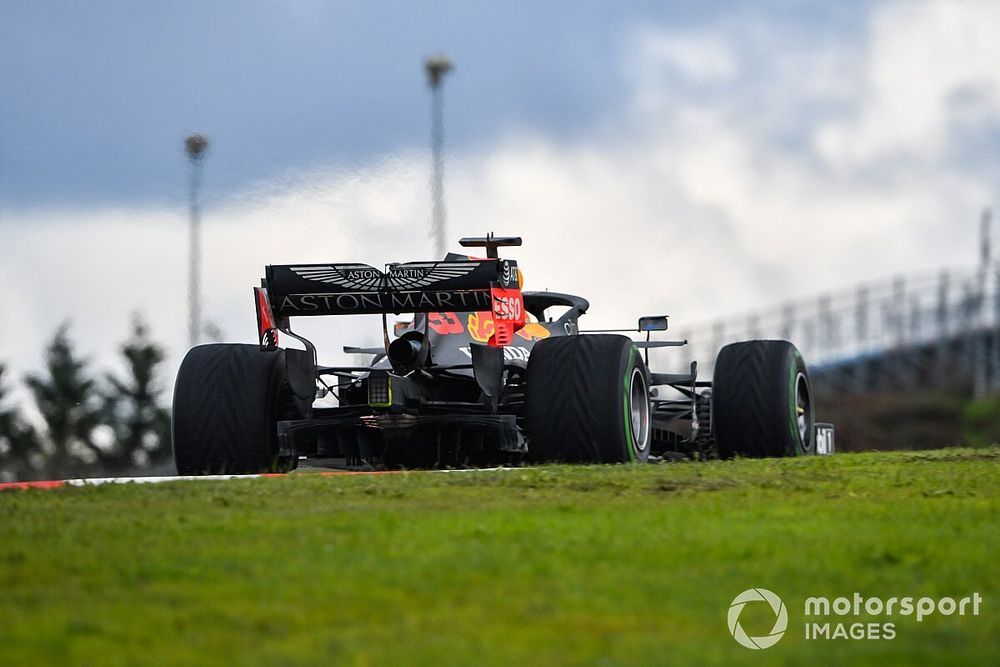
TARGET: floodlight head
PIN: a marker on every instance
(437, 66)
(195, 145)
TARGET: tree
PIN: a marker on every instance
(90, 427)
(141, 426)
(70, 407)
(20, 454)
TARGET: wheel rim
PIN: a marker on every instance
(803, 409)
(639, 409)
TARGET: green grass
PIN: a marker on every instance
(981, 421)
(555, 565)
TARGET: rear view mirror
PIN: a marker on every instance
(653, 323)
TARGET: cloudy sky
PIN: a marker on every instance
(697, 159)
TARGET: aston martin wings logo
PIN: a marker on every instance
(416, 275)
(359, 277)
(400, 277)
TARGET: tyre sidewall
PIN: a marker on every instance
(796, 373)
(633, 451)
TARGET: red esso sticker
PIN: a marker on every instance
(508, 305)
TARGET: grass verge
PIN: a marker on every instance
(553, 565)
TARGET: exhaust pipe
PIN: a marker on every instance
(404, 353)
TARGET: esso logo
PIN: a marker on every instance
(508, 308)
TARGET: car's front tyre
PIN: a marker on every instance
(762, 401)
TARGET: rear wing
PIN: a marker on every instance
(416, 287)
(303, 290)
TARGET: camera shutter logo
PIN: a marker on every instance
(780, 622)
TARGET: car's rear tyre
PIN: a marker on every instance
(762, 401)
(228, 399)
(587, 400)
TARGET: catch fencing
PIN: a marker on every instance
(910, 329)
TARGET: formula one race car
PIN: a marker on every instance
(483, 374)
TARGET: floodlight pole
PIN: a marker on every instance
(986, 350)
(195, 147)
(437, 66)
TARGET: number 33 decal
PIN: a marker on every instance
(444, 323)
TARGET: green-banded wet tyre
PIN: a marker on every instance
(228, 399)
(587, 400)
(762, 401)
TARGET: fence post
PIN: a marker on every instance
(944, 286)
(994, 383)
(898, 310)
(718, 338)
(787, 321)
(827, 335)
